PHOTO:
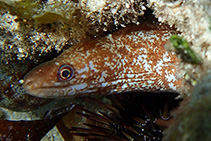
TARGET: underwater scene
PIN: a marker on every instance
(102, 70)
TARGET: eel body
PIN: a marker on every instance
(132, 59)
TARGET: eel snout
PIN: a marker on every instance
(39, 78)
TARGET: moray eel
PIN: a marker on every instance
(132, 59)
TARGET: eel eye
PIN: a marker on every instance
(65, 72)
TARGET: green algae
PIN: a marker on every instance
(48, 17)
(29, 9)
(23, 9)
(182, 47)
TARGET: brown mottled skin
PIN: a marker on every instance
(132, 59)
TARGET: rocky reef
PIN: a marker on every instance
(193, 115)
(49, 25)
(32, 32)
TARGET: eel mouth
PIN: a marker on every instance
(54, 91)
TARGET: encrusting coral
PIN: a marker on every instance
(62, 22)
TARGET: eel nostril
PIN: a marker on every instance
(27, 83)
